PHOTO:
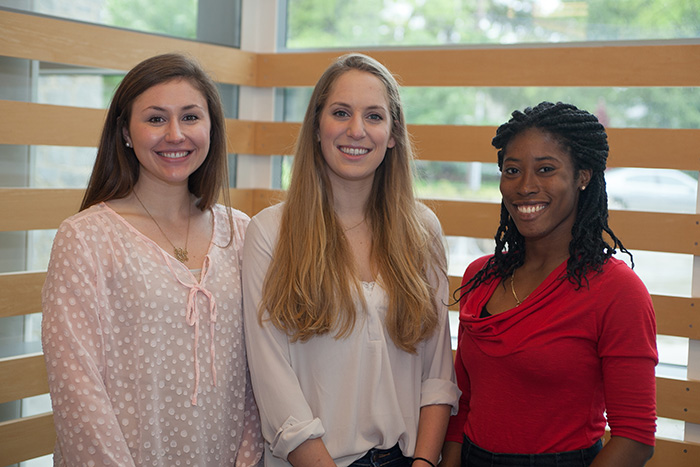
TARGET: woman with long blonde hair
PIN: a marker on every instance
(345, 289)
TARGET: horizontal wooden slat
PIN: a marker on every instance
(20, 293)
(40, 208)
(50, 125)
(45, 208)
(42, 124)
(661, 64)
(672, 233)
(26, 438)
(75, 43)
(670, 453)
(678, 399)
(677, 316)
(22, 376)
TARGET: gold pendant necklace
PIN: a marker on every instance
(512, 289)
(179, 253)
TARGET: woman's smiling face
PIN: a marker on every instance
(169, 131)
(540, 186)
(355, 127)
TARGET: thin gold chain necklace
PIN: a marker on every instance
(180, 253)
(512, 289)
(356, 225)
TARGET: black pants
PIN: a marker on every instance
(474, 456)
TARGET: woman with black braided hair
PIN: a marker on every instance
(554, 332)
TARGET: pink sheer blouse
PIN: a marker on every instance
(147, 362)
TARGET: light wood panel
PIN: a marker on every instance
(670, 453)
(677, 316)
(662, 64)
(22, 376)
(45, 208)
(75, 43)
(42, 124)
(20, 293)
(26, 438)
(49, 125)
(678, 399)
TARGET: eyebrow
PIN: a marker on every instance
(371, 107)
(537, 158)
(187, 107)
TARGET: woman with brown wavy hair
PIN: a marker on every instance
(345, 289)
(142, 329)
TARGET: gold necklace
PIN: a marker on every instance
(512, 289)
(180, 253)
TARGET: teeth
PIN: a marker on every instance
(530, 209)
(354, 151)
(174, 155)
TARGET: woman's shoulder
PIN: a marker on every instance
(474, 267)
(615, 273)
(237, 215)
(95, 213)
(428, 217)
(271, 215)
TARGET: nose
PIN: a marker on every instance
(356, 127)
(174, 132)
(528, 183)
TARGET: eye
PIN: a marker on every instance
(190, 118)
(376, 117)
(341, 113)
(546, 169)
(510, 171)
(156, 119)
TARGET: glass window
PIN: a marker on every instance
(364, 23)
(176, 18)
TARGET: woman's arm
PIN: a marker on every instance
(451, 454)
(87, 428)
(251, 448)
(623, 452)
(311, 453)
(431, 432)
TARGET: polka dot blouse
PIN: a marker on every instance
(146, 361)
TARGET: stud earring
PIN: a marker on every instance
(583, 187)
(128, 144)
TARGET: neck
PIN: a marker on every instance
(166, 201)
(539, 256)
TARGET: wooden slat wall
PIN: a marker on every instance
(60, 41)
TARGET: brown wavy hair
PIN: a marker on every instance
(116, 168)
(311, 280)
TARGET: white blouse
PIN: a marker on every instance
(146, 362)
(356, 393)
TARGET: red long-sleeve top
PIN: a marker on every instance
(542, 376)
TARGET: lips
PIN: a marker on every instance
(353, 151)
(173, 154)
(530, 208)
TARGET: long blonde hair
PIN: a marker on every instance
(311, 280)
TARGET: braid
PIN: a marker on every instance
(585, 139)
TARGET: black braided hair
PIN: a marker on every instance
(585, 139)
